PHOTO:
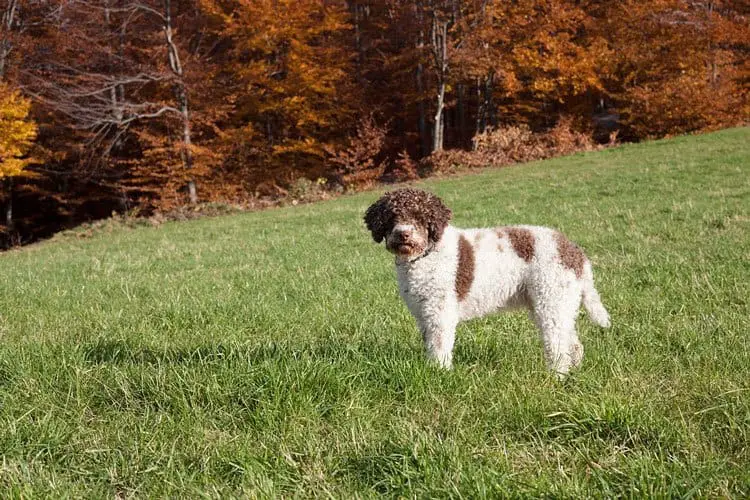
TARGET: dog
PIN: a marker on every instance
(447, 275)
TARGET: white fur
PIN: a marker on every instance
(502, 281)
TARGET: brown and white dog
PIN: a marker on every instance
(447, 275)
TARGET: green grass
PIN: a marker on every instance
(268, 354)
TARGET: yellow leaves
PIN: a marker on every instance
(17, 133)
(307, 146)
(558, 67)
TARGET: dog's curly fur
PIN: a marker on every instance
(447, 275)
(415, 205)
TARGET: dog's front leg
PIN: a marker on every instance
(438, 329)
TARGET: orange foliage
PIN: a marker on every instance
(357, 164)
(291, 62)
(513, 144)
(404, 168)
(242, 99)
(678, 65)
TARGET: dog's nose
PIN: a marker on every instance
(404, 234)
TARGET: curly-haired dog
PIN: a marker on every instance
(447, 275)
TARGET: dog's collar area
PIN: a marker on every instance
(430, 249)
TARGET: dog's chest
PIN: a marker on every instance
(424, 284)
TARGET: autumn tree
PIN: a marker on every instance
(293, 70)
(442, 19)
(17, 130)
(528, 61)
(127, 96)
(17, 134)
(682, 69)
(554, 61)
(395, 69)
(421, 40)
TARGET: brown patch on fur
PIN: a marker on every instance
(465, 271)
(571, 255)
(522, 241)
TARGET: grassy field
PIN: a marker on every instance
(268, 354)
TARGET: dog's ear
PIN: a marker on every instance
(376, 218)
(438, 216)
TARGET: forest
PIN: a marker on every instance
(160, 106)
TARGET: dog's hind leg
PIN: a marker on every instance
(556, 319)
(562, 348)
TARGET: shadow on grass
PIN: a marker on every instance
(123, 352)
(7, 375)
(376, 370)
(391, 470)
(624, 427)
(126, 352)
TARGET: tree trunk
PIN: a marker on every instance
(7, 25)
(486, 113)
(489, 86)
(5, 47)
(9, 205)
(359, 14)
(461, 110)
(437, 143)
(422, 120)
(116, 92)
(713, 69)
(439, 49)
(182, 101)
(186, 154)
(357, 38)
(424, 141)
(480, 123)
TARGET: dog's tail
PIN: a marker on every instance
(591, 300)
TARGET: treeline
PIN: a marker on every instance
(123, 105)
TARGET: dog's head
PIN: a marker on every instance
(409, 220)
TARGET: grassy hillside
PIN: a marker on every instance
(269, 354)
